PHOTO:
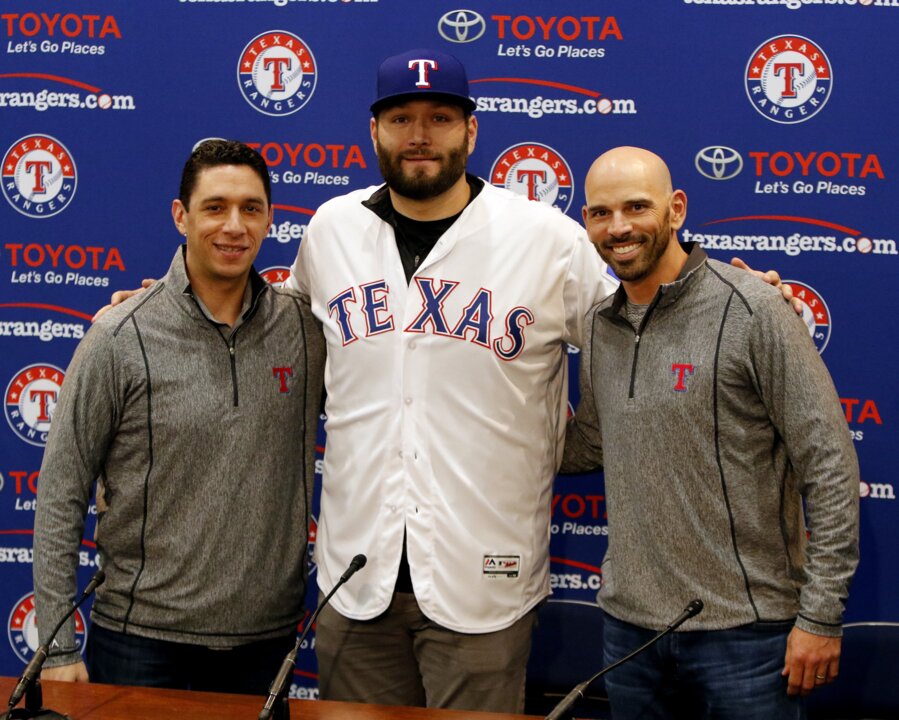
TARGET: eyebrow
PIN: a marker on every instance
(629, 201)
(222, 198)
(435, 107)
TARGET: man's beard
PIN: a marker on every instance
(652, 250)
(418, 185)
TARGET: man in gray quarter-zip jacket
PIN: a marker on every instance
(195, 407)
(714, 417)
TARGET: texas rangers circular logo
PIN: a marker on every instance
(536, 171)
(22, 629)
(275, 275)
(39, 176)
(30, 401)
(815, 312)
(718, 162)
(277, 73)
(788, 79)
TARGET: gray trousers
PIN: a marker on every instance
(403, 658)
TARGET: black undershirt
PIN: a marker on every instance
(416, 238)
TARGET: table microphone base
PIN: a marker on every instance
(26, 714)
(32, 710)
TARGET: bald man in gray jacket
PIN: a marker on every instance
(715, 418)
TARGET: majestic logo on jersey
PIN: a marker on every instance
(39, 176)
(788, 79)
(22, 629)
(502, 566)
(681, 372)
(718, 162)
(275, 275)
(475, 324)
(815, 312)
(277, 73)
(461, 26)
(536, 171)
(30, 401)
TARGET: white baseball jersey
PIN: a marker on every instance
(446, 402)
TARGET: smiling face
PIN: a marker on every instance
(225, 222)
(423, 147)
(632, 216)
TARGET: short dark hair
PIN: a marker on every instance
(211, 153)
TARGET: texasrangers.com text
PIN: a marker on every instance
(539, 106)
(46, 99)
(794, 244)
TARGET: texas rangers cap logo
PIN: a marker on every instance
(22, 629)
(31, 398)
(815, 312)
(788, 79)
(39, 176)
(536, 171)
(277, 73)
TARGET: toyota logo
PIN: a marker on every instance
(718, 162)
(461, 26)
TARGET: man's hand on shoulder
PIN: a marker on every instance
(120, 296)
(76, 672)
(811, 661)
(772, 277)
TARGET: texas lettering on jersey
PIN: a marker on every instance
(476, 324)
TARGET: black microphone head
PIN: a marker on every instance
(99, 577)
(695, 607)
(359, 561)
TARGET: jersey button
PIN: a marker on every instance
(408, 401)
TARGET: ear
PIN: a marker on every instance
(678, 207)
(271, 219)
(472, 129)
(584, 215)
(178, 215)
(373, 129)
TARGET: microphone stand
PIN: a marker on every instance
(276, 707)
(560, 710)
(29, 684)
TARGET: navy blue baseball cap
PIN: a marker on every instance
(422, 74)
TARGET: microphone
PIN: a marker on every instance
(356, 564)
(560, 710)
(30, 677)
(276, 691)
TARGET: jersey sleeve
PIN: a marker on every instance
(315, 369)
(583, 436)
(804, 407)
(587, 282)
(301, 271)
(81, 429)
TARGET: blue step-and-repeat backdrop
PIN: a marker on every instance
(778, 118)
